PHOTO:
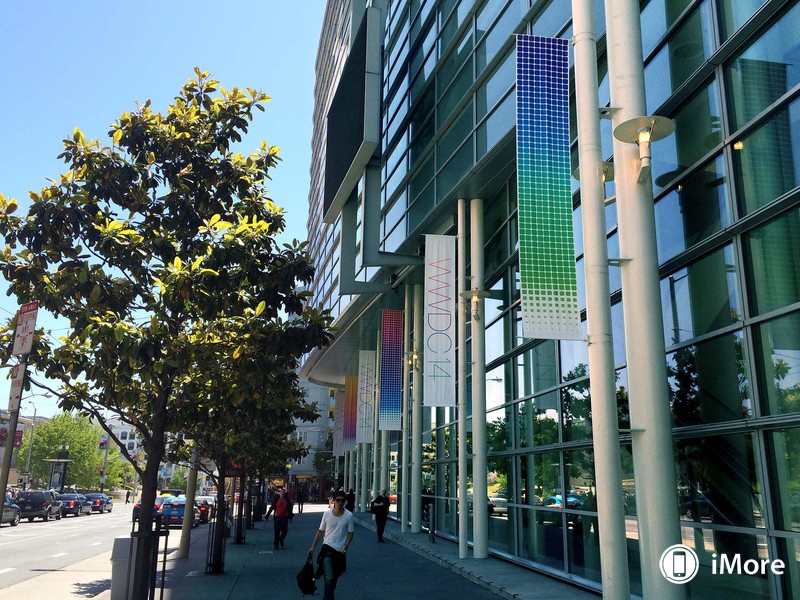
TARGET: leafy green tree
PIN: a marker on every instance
(86, 459)
(178, 479)
(159, 251)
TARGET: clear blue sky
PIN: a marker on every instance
(81, 64)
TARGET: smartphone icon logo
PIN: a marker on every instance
(679, 563)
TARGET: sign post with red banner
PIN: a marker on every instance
(23, 344)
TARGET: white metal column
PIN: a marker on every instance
(366, 463)
(463, 505)
(651, 425)
(605, 428)
(405, 489)
(416, 415)
(480, 503)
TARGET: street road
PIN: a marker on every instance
(32, 549)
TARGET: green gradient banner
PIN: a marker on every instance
(548, 280)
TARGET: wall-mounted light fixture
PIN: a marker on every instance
(413, 358)
(474, 296)
(642, 131)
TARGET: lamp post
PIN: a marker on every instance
(30, 448)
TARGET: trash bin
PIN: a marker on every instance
(122, 564)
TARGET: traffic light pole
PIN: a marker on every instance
(103, 470)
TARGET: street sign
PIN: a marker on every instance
(26, 324)
(15, 393)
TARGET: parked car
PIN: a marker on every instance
(100, 502)
(156, 507)
(39, 503)
(11, 513)
(205, 509)
(75, 504)
(173, 510)
(212, 505)
(498, 503)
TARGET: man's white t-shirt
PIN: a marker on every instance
(336, 528)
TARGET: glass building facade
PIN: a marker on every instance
(727, 205)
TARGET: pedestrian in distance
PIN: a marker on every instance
(380, 508)
(127, 496)
(336, 532)
(351, 501)
(282, 507)
(301, 499)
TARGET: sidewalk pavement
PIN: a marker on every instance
(408, 565)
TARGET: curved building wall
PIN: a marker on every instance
(727, 204)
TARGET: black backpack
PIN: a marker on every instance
(306, 580)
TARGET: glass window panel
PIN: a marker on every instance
(614, 273)
(499, 387)
(618, 331)
(536, 368)
(688, 48)
(454, 96)
(453, 63)
(784, 447)
(658, 16)
(777, 350)
(772, 256)
(500, 122)
(577, 412)
(707, 545)
(499, 435)
(421, 178)
(766, 162)
(456, 134)
(497, 251)
(552, 19)
(537, 421)
(769, 68)
(719, 482)
(574, 358)
(734, 13)
(698, 207)
(454, 170)
(701, 297)
(708, 383)
(498, 36)
(498, 83)
(697, 132)
(540, 530)
(498, 338)
(421, 207)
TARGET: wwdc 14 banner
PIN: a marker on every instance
(441, 304)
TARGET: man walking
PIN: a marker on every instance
(380, 508)
(336, 531)
(282, 507)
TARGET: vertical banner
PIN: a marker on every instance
(548, 279)
(338, 425)
(365, 430)
(390, 408)
(350, 417)
(441, 303)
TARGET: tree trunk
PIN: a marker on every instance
(145, 535)
(240, 539)
(217, 562)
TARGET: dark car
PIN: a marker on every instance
(156, 507)
(173, 510)
(75, 504)
(11, 513)
(39, 503)
(100, 502)
(205, 507)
